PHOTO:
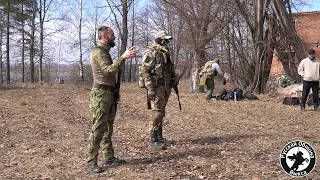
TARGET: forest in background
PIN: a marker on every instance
(42, 40)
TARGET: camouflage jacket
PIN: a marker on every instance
(207, 69)
(157, 68)
(103, 69)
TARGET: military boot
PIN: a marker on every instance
(316, 107)
(155, 144)
(302, 107)
(114, 160)
(161, 138)
(94, 168)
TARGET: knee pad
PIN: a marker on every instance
(159, 115)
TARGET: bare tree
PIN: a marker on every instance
(43, 10)
(123, 31)
(1, 53)
(32, 39)
(96, 17)
(132, 40)
(80, 41)
(289, 46)
(8, 42)
(203, 25)
(267, 20)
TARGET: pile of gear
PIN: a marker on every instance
(235, 94)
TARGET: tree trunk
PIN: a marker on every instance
(32, 43)
(1, 67)
(8, 45)
(80, 43)
(23, 46)
(124, 37)
(132, 41)
(290, 39)
(196, 68)
(41, 14)
(195, 77)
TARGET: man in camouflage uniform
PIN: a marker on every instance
(103, 100)
(157, 72)
(210, 71)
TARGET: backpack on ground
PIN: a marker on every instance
(222, 94)
(229, 96)
(238, 93)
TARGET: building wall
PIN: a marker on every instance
(276, 67)
(308, 29)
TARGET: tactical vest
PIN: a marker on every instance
(207, 70)
(162, 70)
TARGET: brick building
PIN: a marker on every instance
(308, 28)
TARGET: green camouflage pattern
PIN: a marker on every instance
(157, 73)
(158, 106)
(210, 88)
(103, 69)
(102, 109)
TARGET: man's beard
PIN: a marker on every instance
(111, 43)
(312, 57)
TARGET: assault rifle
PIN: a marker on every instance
(177, 92)
(117, 91)
(175, 87)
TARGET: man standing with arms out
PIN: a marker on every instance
(209, 71)
(309, 70)
(103, 100)
(157, 72)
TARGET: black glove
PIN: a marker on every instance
(224, 82)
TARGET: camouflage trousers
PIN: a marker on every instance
(158, 106)
(210, 88)
(102, 109)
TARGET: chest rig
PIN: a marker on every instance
(163, 67)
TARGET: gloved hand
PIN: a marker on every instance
(224, 82)
(151, 94)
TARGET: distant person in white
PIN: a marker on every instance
(309, 70)
(210, 74)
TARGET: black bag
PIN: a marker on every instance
(239, 93)
(229, 96)
(292, 101)
(222, 94)
(236, 92)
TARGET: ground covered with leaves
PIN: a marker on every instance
(44, 135)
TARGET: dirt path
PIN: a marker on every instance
(44, 132)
